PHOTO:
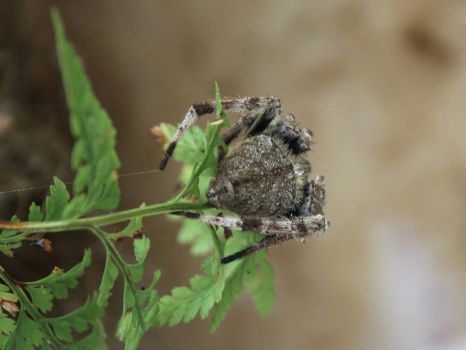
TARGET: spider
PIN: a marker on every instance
(264, 177)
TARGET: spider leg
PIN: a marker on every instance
(286, 128)
(245, 106)
(243, 123)
(275, 230)
(314, 198)
(254, 123)
(264, 243)
(295, 227)
(190, 118)
(263, 120)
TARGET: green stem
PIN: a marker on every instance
(202, 166)
(121, 265)
(96, 221)
(31, 309)
(216, 242)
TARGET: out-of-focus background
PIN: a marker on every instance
(382, 84)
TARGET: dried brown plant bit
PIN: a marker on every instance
(265, 176)
(159, 136)
(10, 307)
(45, 244)
(138, 234)
(56, 269)
(191, 197)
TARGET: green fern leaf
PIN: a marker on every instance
(56, 201)
(109, 277)
(93, 157)
(197, 235)
(141, 248)
(95, 340)
(140, 308)
(7, 240)
(41, 298)
(185, 303)
(260, 283)
(58, 282)
(139, 304)
(235, 274)
(233, 289)
(27, 335)
(35, 213)
(79, 320)
(35, 331)
(6, 295)
(7, 326)
(255, 270)
(134, 225)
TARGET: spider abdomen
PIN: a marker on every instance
(260, 177)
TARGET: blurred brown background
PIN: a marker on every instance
(381, 83)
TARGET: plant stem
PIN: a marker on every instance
(31, 309)
(216, 243)
(121, 265)
(97, 221)
(197, 171)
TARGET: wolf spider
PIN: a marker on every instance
(264, 178)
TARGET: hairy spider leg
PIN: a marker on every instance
(271, 122)
(255, 122)
(252, 106)
(275, 230)
(267, 242)
(298, 226)
(263, 120)
(285, 128)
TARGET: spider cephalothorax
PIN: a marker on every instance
(264, 178)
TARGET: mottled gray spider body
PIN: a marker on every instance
(264, 178)
(260, 177)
